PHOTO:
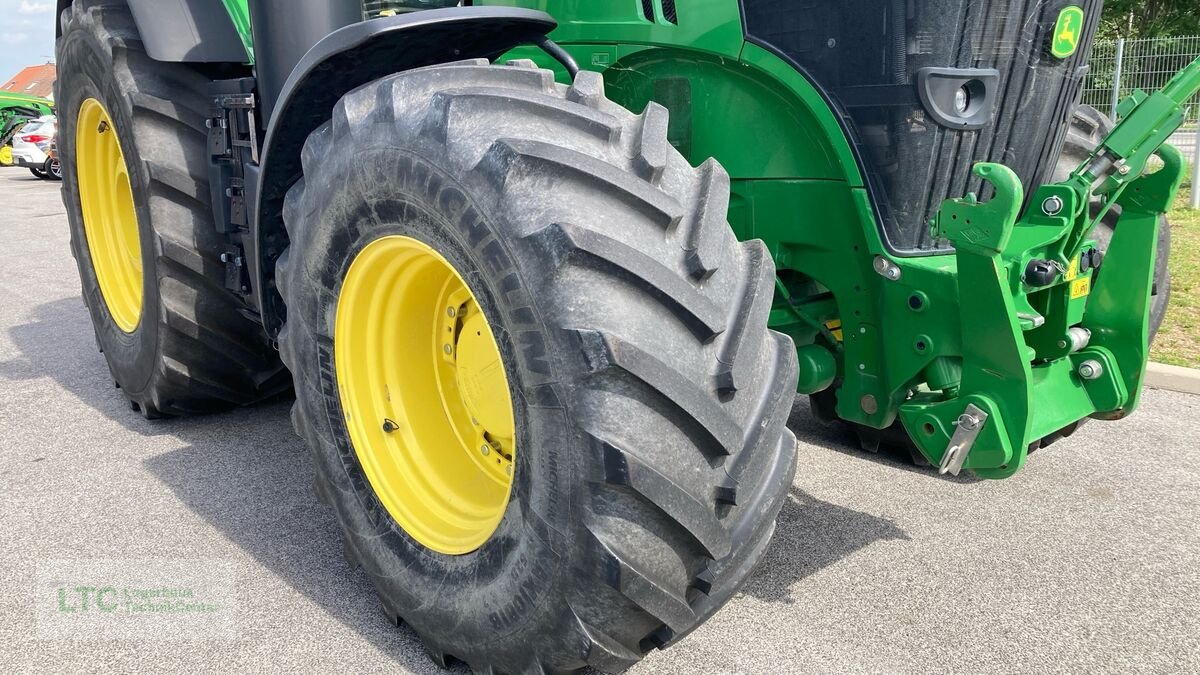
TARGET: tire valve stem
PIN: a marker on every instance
(389, 426)
(102, 128)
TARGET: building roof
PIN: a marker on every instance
(33, 81)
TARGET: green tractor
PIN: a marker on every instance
(545, 293)
(15, 111)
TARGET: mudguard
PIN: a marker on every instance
(344, 60)
(183, 31)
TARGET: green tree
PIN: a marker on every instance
(1150, 18)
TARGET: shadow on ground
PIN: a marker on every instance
(16, 174)
(59, 343)
(810, 535)
(247, 474)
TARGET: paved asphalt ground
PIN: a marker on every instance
(1087, 561)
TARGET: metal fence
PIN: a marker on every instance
(1121, 66)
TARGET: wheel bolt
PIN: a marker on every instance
(450, 312)
(448, 349)
(486, 450)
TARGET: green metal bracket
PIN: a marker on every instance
(995, 359)
(1039, 354)
(983, 229)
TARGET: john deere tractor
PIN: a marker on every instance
(15, 111)
(546, 275)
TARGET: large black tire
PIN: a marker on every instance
(650, 397)
(195, 348)
(1088, 127)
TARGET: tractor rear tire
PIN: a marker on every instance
(649, 397)
(193, 347)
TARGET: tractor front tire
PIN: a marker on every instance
(133, 148)
(648, 398)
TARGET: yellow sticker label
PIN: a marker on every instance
(1081, 287)
(1073, 270)
(835, 328)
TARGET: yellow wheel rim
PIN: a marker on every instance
(424, 394)
(6, 156)
(109, 220)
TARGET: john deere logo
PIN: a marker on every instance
(1067, 31)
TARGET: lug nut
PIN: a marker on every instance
(450, 312)
(448, 349)
(486, 450)
(1090, 369)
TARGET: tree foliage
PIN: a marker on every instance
(1150, 18)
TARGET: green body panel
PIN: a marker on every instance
(933, 334)
(239, 13)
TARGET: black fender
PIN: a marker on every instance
(341, 62)
(181, 31)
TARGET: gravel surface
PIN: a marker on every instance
(1088, 560)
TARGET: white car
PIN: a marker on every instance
(31, 146)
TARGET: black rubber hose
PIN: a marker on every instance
(553, 49)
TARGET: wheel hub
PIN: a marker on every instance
(109, 219)
(424, 394)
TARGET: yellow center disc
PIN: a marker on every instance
(109, 220)
(425, 395)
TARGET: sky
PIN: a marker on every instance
(26, 35)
